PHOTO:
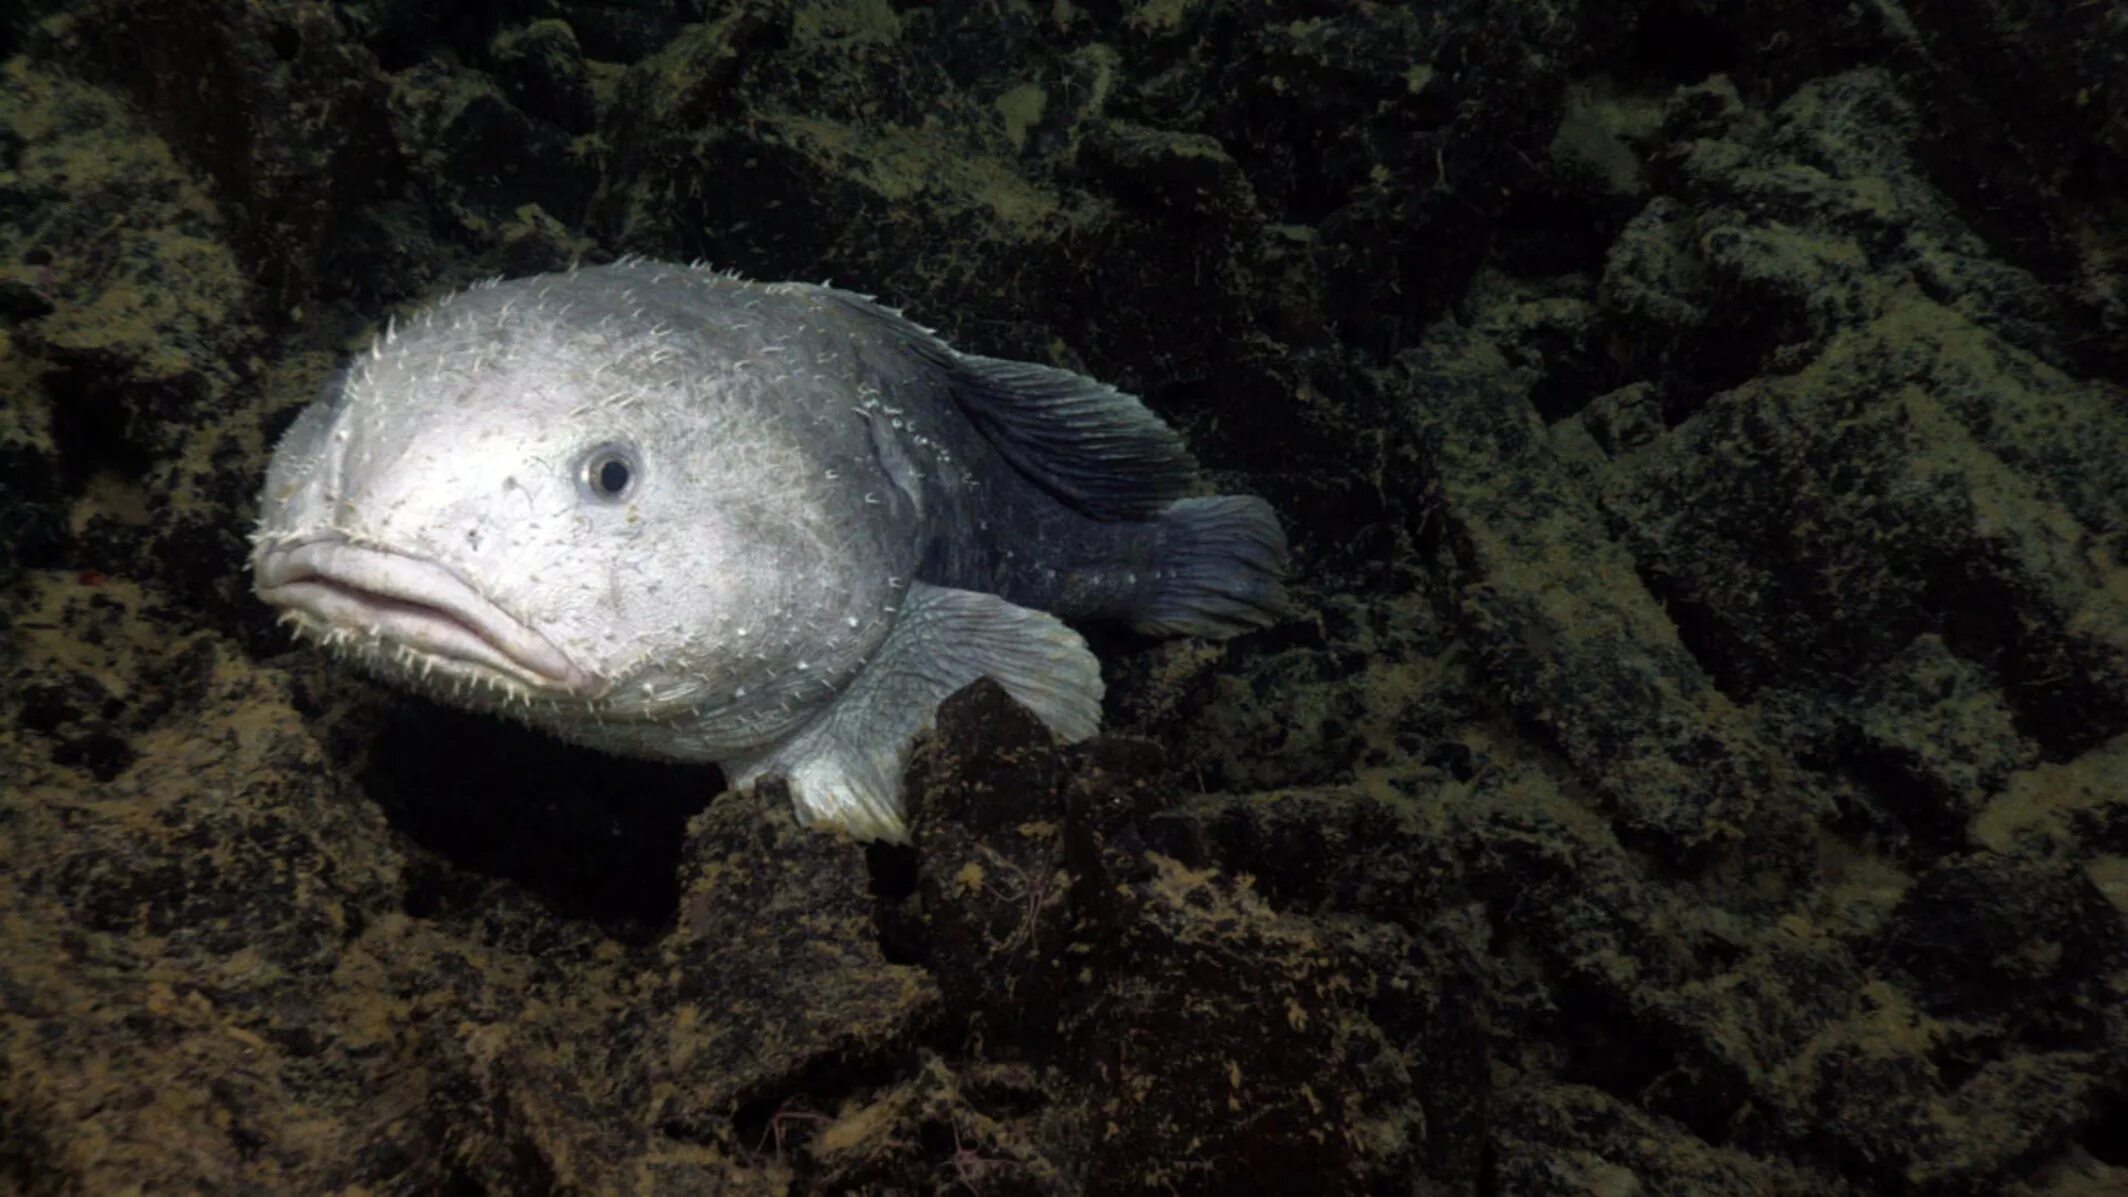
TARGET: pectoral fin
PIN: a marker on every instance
(845, 766)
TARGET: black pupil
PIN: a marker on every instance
(613, 477)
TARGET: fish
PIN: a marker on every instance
(669, 512)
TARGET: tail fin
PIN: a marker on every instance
(1224, 571)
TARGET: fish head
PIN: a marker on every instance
(538, 509)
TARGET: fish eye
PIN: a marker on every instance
(609, 472)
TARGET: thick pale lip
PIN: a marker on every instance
(413, 601)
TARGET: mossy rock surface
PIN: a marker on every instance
(1700, 765)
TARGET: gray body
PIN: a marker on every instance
(825, 521)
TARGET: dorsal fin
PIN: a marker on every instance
(1093, 447)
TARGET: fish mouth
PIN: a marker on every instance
(336, 590)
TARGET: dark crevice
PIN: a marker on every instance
(89, 429)
(592, 836)
(1670, 45)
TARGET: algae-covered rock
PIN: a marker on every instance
(1697, 766)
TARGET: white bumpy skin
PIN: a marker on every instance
(510, 507)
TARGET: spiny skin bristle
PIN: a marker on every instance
(469, 686)
(391, 660)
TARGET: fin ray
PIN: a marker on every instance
(1094, 448)
(1224, 573)
(845, 766)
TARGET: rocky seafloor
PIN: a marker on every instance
(1699, 766)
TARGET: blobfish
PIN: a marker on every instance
(669, 512)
